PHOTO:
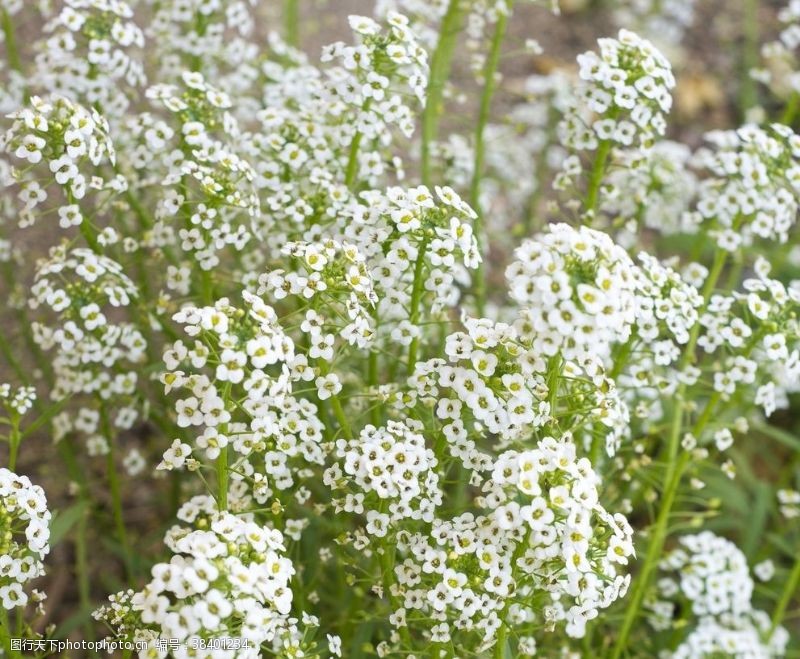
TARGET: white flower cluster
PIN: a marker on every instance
(667, 308)
(247, 349)
(663, 21)
(228, 577)
(24, 536)
(780, 69)
(66, 137)
(318, 137)
(339, 273)
(752, 187)
(209, 191)
(85, 57)
(758, 332)
(17, 401)
(550, 559)
(573, 544)
(209, 35)
(578, 289)
(652, 190)
(489, 378)
(416, 242)
(394, 463)
(623, 96)
(714, 579)
(83, 289)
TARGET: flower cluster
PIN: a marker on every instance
(246, 349)
(751, 191)
(714, 580)
(68, 139)
(25, 524)
(228, 577)
(19, 401)
(394, 463)
(86, 55)
(624, 95)
(551, 558)
(780, 69)
(578, 290)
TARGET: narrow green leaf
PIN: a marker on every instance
(65, 519)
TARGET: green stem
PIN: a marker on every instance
(596, 175)
(116, 493)
(5, 633)
(222, 478)
(441, 61)
(336, 404)
(416, 296)
(789, 590)
(14, 440)
(89, 236)
(672, 478)
(489, 84)
(12, 53)
(502, 632)
(291, 23)
(82, 572)
(748, 95)
(790, 111)
(352, 158)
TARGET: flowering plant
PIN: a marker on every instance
(303, 366)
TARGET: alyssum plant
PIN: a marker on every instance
(247, 259)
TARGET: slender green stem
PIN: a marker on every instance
(5, 633)
(14, 439)
(416, 297)
(352, 158)
(116, 492)
(89, 236)
(596, 175)
(291, 23)
(489, 84)
(82, 572)
(222, 479)
(790, 111)
(748, 94)
(790, 589)
(672, 478)
(336, 404)
(441, 61)
(12, 53)
(10, 357)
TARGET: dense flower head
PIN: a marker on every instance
(652, 190)
(713, 579)
(623, 96)
(244, 350)
(578, 289)
(84, 290)
(228, 576)
(87, 55)
(549, 557)
(393, 463)
(751, 191)
(67, 143)
(17, 401)
(25, 524)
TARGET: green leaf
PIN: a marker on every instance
(64, 520)
(757, 520)
(779, 435)
(43, 418)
